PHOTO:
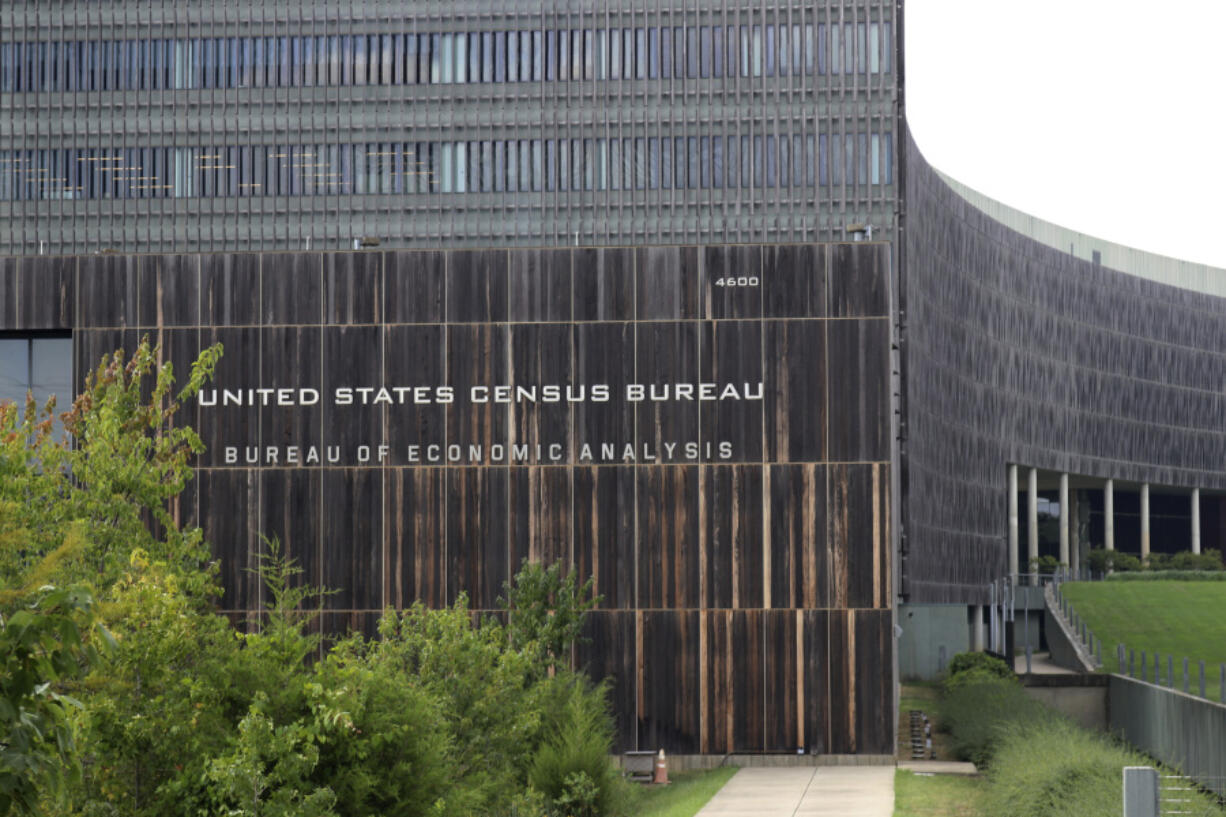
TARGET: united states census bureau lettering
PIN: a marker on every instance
(446, 395)
(399, 402)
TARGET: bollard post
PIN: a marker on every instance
(1221, 674)
(1119, 654)
(1140, 791)
(1170, 671)
(1132, 664)
(1186, 680)
(1098, 652)
(1202, 679)
(1028, 651)
(1144, 665)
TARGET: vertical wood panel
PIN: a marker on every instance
(540, 285)
(353, 287)
(782, 727)
(603, 284)
(43, 295)
(604, 530)
(477, 356)
(609, 650)
(820, 664)
(415, 513)
(670, 674)
(415, 286)
(230, 511)
(796, 402)
(478, 548)
(800, 567)
(540, 516)
(230, 288)
(748, 656)
(732, 355)
(352, 552)
(668, 537)
(414, 358)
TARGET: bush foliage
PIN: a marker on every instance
(1038, 763)
(138, 698)
(1169, 564)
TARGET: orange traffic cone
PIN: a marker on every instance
(661, 770)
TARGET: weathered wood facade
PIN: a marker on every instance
(742, 543)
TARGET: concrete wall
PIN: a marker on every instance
(1080, 698)
(1065, 650)
(1181, 730)
(926, 628)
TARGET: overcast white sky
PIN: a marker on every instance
(1105, 116)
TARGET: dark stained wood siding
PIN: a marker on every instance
(746, 590)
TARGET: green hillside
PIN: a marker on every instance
(1172, 617)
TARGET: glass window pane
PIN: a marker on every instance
(704, 61)
(785, 52)
(461, 58)
(770, 51)
(14, 369)
(666, 53)
(513, 57)
(51, 370)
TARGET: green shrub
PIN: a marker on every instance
(976, 675)
(1047, 565)
(988, 664)
(974, 713)
(1101, 561)
(571, 766)
(1170, 576)
(1187, 560)
(1055, 769)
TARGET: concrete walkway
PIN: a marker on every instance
(821, 791)
(1040, 664)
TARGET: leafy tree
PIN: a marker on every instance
(71, 516)
(182, 714)
(546, 608)
(41, 644)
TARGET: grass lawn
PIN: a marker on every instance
(682, 797)
(1170, 617)
(937, 795)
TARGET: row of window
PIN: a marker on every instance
(464, 57)
(499, 166)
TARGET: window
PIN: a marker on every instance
(41, 365)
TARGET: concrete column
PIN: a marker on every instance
(1074, 532)
(1145, 521)
(1032, 518)
(1109, 514)
(1196, 520)
(1064, 515)
(1013, 521)
(978, 633)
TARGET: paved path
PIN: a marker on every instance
(1040, 664)
(822, 791)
